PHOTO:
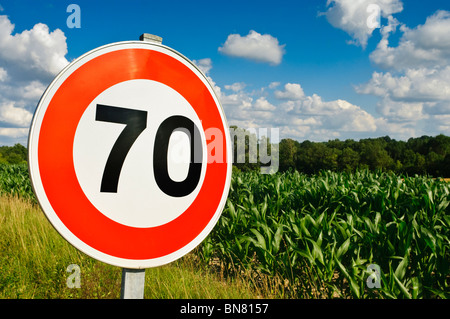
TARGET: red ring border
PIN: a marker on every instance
(55, 155)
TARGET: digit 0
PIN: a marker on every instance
(160, 152)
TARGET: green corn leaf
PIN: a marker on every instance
(403, 289)
(343, 248)
(260, 242)
(415, 287)
(316, 252)
(353, 285)
(277, 238)
(400, 271)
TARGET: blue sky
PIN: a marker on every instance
(313, 69)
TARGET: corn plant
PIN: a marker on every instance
(321, 232)
(15, 181)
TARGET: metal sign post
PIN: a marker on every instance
(133, 280)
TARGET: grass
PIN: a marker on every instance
(34, 260)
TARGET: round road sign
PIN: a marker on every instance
(129, 154)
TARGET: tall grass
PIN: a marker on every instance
(34, 260)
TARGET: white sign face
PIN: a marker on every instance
(119, 158)
(138, 202)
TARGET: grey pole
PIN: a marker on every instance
(150, 38)
(133, 283)
(133, 280)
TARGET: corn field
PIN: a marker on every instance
(320, 233)
(321, 236)
(15, 181)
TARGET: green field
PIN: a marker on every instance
(285, 235)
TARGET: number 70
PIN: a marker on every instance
(135, 123)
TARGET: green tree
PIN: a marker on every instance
(446, 166)
(13, 154)
(375, 156)
(288, 149)
(313, 157)
(434, 163)
(348, 159)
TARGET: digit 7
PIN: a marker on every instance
(136, 122)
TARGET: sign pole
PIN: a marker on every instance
(133, 280)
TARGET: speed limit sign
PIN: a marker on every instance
(130, 154)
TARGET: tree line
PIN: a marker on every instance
(16, 154)
(422, 155)
(426, 155)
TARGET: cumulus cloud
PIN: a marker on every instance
(356, 17)
(254, 46)
(236, 87)
(415, 88)
(205, 65)
(3, 74)
(301, 116)
(292, 91)
(338, 115)
(415, 85)
(296, 114)
(28, 62)
(261, 104)
(14, 116)
(274, 84)
(427, 45)
(36, 52)
(13, 133)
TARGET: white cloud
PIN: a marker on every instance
(14, 133)
(14, 115)
(261, 104)
(296, 114)
(36, 52)
(3, 74)
(205, 65)
(427, 45)
(401, 111)
(356, 17)
(28, 62)
(254, 46)
(292, 91)
(236, 87)
(441, 123)
(273, 85)
(415, 85)
(414, 91)
(397, 130)
(338, 115)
